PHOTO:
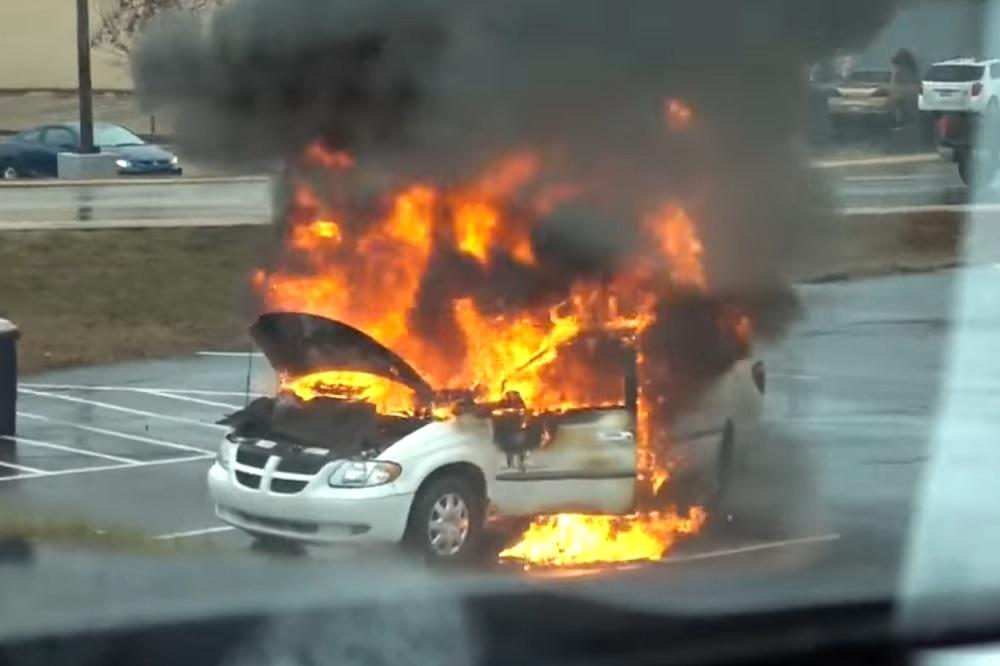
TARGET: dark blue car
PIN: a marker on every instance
(33, 152)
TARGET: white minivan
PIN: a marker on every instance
(328, 471)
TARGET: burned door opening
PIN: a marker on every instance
(582, 458)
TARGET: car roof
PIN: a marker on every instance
(966, 61)
(73, 125)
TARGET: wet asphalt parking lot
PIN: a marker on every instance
(851, 401)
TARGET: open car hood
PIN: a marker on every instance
(299, 344)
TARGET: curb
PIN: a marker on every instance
(132, 181)
(120, 225)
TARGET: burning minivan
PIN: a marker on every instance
(372, 453)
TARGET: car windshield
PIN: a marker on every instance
(684, 308)
(114, 135)
(954, 73)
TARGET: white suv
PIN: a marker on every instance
(963, 85)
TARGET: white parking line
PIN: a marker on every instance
(42, 474)
(768, 545)
(20, 468)
(900, 177)
(69, 449)
(115, 433)
(185, 398)
(127, 410)
(194, 533)
(140, 389)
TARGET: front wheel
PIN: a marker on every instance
(9, 173)
(446, 521)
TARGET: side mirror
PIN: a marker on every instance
(69, 148)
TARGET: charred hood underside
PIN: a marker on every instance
(347, 427)
(299, 344)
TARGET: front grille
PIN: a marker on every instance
(248, 480)
(288, 458)
(287, 486)
(301, 463)
(252, 456)
(280, 524)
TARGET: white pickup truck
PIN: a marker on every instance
(329, 471)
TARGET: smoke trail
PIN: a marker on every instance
(434, 90)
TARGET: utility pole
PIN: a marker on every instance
(85, 85)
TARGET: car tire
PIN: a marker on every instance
(973, 163)
(446, 521)
(9, 173)
(710, 488)
(725, 464)
(964, 162)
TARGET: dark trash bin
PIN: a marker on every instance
(8, 378)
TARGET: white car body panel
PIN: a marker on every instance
(586, 467)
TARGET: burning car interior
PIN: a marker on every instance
(370, 398)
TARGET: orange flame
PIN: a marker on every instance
(579, 539)
(677, 113)
(318, 154)
(388, 396)
(369, 274)
(672, 229)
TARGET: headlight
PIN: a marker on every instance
(122, 164)
(223, 454)
(364, 474)
(174, 160)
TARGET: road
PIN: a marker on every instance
(932, 184)
(830, 478)
(248, 200)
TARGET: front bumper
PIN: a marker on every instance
(317, 515)
(840, 106)
(150, 171)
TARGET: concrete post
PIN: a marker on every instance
(8, 378)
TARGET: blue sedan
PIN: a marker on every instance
(33, 152)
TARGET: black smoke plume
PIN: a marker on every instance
(436, 89)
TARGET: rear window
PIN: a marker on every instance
(954, 73)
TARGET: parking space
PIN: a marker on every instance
(125, 446)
